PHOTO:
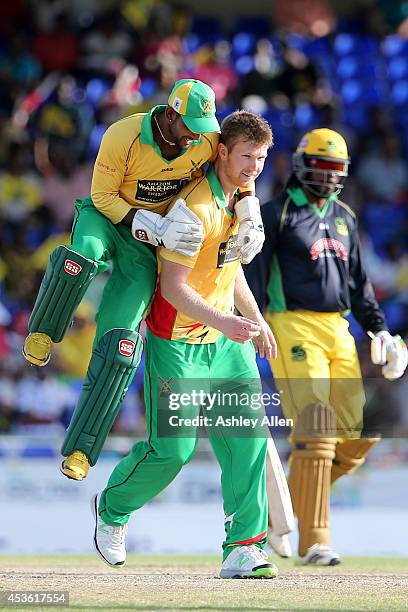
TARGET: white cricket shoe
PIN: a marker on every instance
(280, 544)
(318, 554)
(109, 541)
(248, 562)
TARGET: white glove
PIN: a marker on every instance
(180, 230)
(390, 352)
(251, 233)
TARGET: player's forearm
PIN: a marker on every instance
(187, 300)
(115, 208)
(128, 219)
(244, 300)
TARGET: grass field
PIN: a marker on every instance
(156, 583)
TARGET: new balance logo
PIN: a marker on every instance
(241, 560)
(71, 267)
(126, 347)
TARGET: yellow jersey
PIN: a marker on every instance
(130, 172)
(213, 269)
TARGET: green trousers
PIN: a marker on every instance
(129, 288)
(154, 463)
(117, 348)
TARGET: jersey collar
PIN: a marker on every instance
(299, 198)
(146, 135)
(215, 187)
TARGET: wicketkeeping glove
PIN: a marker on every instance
(390, 352)
(180, 230)
(251, 233)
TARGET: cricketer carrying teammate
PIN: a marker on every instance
(193, 334)
(143, 162)
(307, 276)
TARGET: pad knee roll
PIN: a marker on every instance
(65, 282)
(350, 455)
(316, 420)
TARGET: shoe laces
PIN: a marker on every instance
(256, 554)
(116, 533)
(321, 548)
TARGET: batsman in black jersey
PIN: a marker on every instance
(308, 275)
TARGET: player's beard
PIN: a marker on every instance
(179, 140)
(235, 176)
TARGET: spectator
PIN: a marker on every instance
(63, 119)
(41, 401)
(57, 50)
(74, 354)
(20, 70)
(104, 47)
(216, 70)
(20, 188)
(382, 172)
(304, 17)
(64, 180)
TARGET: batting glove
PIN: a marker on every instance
(390, 352)
(251, 233)
(180, 230)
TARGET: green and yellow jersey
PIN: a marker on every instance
(130, 172)
(213, 269)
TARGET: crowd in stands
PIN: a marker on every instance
(69, 68)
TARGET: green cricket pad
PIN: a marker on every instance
(65, 282)
(111, 370)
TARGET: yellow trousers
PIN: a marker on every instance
(317, 373)
(318, 363)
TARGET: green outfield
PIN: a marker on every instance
(174, 582)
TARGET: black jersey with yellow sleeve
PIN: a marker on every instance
(311, 260)
(130, 172)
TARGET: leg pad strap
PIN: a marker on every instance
(350, 454)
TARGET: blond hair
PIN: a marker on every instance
(245, 125)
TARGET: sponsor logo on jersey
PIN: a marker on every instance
(298, 353)
(105, 168)
(141, 235)
(126, 347)
(195, 165)
(167, 169)
(72, 267)
(158, 191)
(341, 226)
(227, 252)
(328, 247)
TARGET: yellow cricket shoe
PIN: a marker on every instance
(37, 349)
(75, 466)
